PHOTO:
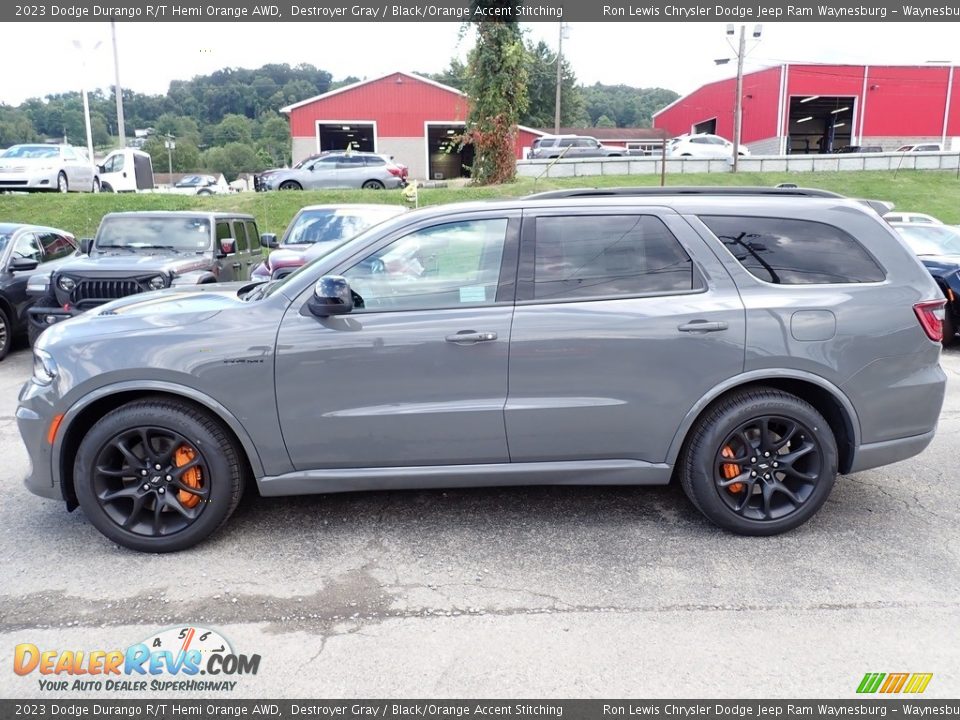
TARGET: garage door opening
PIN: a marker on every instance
(445, 159)
(342, 135)
(707, 126)
(821, 124)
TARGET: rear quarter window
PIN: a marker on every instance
(786, 251)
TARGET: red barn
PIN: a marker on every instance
(824, 108)
(401, 114)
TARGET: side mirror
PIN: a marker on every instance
(19, 264)
(86, 245)
(101, 169)
(269, 240)
(227, 247)
(331, 296)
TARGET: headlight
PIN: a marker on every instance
(157, 282)
(66, 284)
(44, 367)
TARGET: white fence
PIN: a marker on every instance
(587, 167)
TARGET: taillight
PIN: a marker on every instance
(394, 170)
(930, 314)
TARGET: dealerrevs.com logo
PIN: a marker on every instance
(171, 660)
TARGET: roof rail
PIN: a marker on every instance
(680, 190)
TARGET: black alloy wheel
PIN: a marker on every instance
(151, 481)
(158, 474)
(768, 468)
(759, 461)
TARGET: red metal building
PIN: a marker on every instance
(408, 116)
(824, 108)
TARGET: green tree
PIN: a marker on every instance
(273, 140)
(604, 122)
(232, 159)
(542, 90)
(497, 87)
(233, 129)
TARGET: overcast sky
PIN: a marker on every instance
(678, 56)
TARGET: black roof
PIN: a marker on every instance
(681, 190)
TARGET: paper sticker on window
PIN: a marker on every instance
(473, 294)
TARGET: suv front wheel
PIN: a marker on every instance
(759, 462)
(157, 475)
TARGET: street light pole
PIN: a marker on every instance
(118, 93)
(738, 107)
(86, 103)
(556, 109)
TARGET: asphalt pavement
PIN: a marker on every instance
(511, 593)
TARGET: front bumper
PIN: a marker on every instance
(34, 415)
(43, 317)
(32, 180)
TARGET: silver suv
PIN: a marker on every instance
(571, 146)
(749, 343)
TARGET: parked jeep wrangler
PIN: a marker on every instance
(136, 252)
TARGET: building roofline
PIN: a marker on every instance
(716, 82)
(353, 86)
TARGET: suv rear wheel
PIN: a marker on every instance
(157, 475)
(759, 462)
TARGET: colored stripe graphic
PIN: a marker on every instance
(918, 682)
(870, 682)
(894, 682)
(913, 683)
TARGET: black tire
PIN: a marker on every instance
(6, 334)
(63, 185)
(760, 496)
(106, 476)
(373, 185)
(290, 185)
(33, 333)
(949, 327)
(204, 192)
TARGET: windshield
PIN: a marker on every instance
(190, 180)
(305, 161)
(927, 240)
(331, 226)
(31, 152)
(183, 234)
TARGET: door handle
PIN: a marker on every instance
(237, 266)
(702, 326)
(470, 337)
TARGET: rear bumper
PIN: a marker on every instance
(890, 451)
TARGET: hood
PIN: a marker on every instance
(941, 264)
(174, 307)
(8, 163)
(120, 262)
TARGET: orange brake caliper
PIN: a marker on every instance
(731, 470)
(191, 478)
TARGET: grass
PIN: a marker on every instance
(937, 193)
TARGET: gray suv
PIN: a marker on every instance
(572, 146)
(136, 252)
(751, 344)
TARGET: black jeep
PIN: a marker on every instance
(137, 252)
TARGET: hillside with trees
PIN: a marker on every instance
(229, 121)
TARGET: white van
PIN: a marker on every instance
(126, 170)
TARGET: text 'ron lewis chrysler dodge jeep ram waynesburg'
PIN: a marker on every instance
(751, 343)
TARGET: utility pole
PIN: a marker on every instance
(738, 107)
(564, 29)
(738, 100)
(116, 87)
(170, 145)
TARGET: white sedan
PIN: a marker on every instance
(703, 145)
(911, 217)
(59, 168)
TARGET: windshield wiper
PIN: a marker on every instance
(259, 291)
(161, 247)
(115, 247)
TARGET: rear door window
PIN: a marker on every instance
(240, 235)
(608, 255)
(795, 252)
